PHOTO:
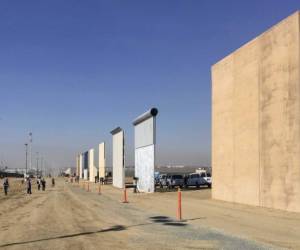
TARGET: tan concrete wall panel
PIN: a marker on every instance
(245, 119)
(280, 123)
(80, 166)
(102, 160)
(77, 165)
(222, 131)
(118, 160)
(256, 120)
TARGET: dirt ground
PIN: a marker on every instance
(69, 217)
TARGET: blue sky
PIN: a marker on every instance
(71, 71)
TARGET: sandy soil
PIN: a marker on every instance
(69, 217)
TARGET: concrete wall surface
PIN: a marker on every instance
(118, 160)
(77, 164)
(86, 160)
(96, 161)
(144, 137)
(102, 160)
(144, 168)
(145, 133)
(80, 166)
(85, 174)
(256, 120)
(92, 167)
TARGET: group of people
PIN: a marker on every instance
(41, 182)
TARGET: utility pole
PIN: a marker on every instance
(30, 150)
(37, 163)
(26, 144)
(42, 171)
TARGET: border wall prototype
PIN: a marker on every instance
(92, 167)
(118, 158)
(80, 166)
(256, 120)
(86, 165)
(101, 159)
(145, 140)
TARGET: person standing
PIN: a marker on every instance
(38, 183)
(5, 186)
(43, 184)
(53, 182)
(28, 186)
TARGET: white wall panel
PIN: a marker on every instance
(118, 160)
(85, 174)
(92, 168)
(144, 133)
(145, 140)
(144, 168)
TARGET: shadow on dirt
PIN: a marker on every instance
(114, 228)
(167, 221)
(163, 220)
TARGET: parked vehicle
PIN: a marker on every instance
(175, 180)
(156, 178)
(207, 177)
(163, 180)
(171, 180)
(195, 180)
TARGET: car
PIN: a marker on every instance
(196, 180)
(156, 178)
(162, 180)
(175, 180)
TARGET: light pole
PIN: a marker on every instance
(26, 144)
(30, 150)
(42, 165)
(37, 164)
